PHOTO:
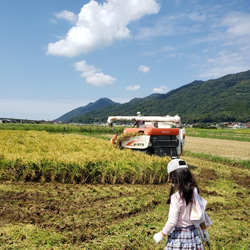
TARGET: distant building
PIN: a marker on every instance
(235, 126)
(239, 125)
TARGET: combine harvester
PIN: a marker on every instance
(159, 135)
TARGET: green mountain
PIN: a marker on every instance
(103, 102)
(218, 100)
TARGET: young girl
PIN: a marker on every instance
(181, 232)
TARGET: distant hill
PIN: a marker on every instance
(103, 102)
(218, 100)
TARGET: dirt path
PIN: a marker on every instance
(217, 147)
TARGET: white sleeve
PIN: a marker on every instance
(208, 221)
(173, 215)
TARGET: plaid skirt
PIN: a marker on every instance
(184, 238)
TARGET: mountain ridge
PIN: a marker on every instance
(216, 100)
(102, 102)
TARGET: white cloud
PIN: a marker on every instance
(162, 89)
(225, 62)
(237, 24)
(67, 15)
(228, 47)
(196, 16)
(98, 25)
(93, 75)
(166, 50)
(224, 38)
(144, 68)
(133, 88)
(162, 27)
(175, 25)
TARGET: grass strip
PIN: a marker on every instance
(222, 134)
(63, 128)
(218, 159)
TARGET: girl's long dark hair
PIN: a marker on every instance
(182, 178)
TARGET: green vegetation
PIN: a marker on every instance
(225, 134)
(236, 163)
(62, 128)
(82, 110)
(221, 100)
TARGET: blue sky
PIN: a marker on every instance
(58, 55)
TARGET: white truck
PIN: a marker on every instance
(159, 135)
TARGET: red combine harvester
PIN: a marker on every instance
(159, 135)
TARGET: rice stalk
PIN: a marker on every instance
(40, 156)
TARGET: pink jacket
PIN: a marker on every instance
(179, 214)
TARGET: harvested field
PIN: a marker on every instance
(76, 216)
(218, 147)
